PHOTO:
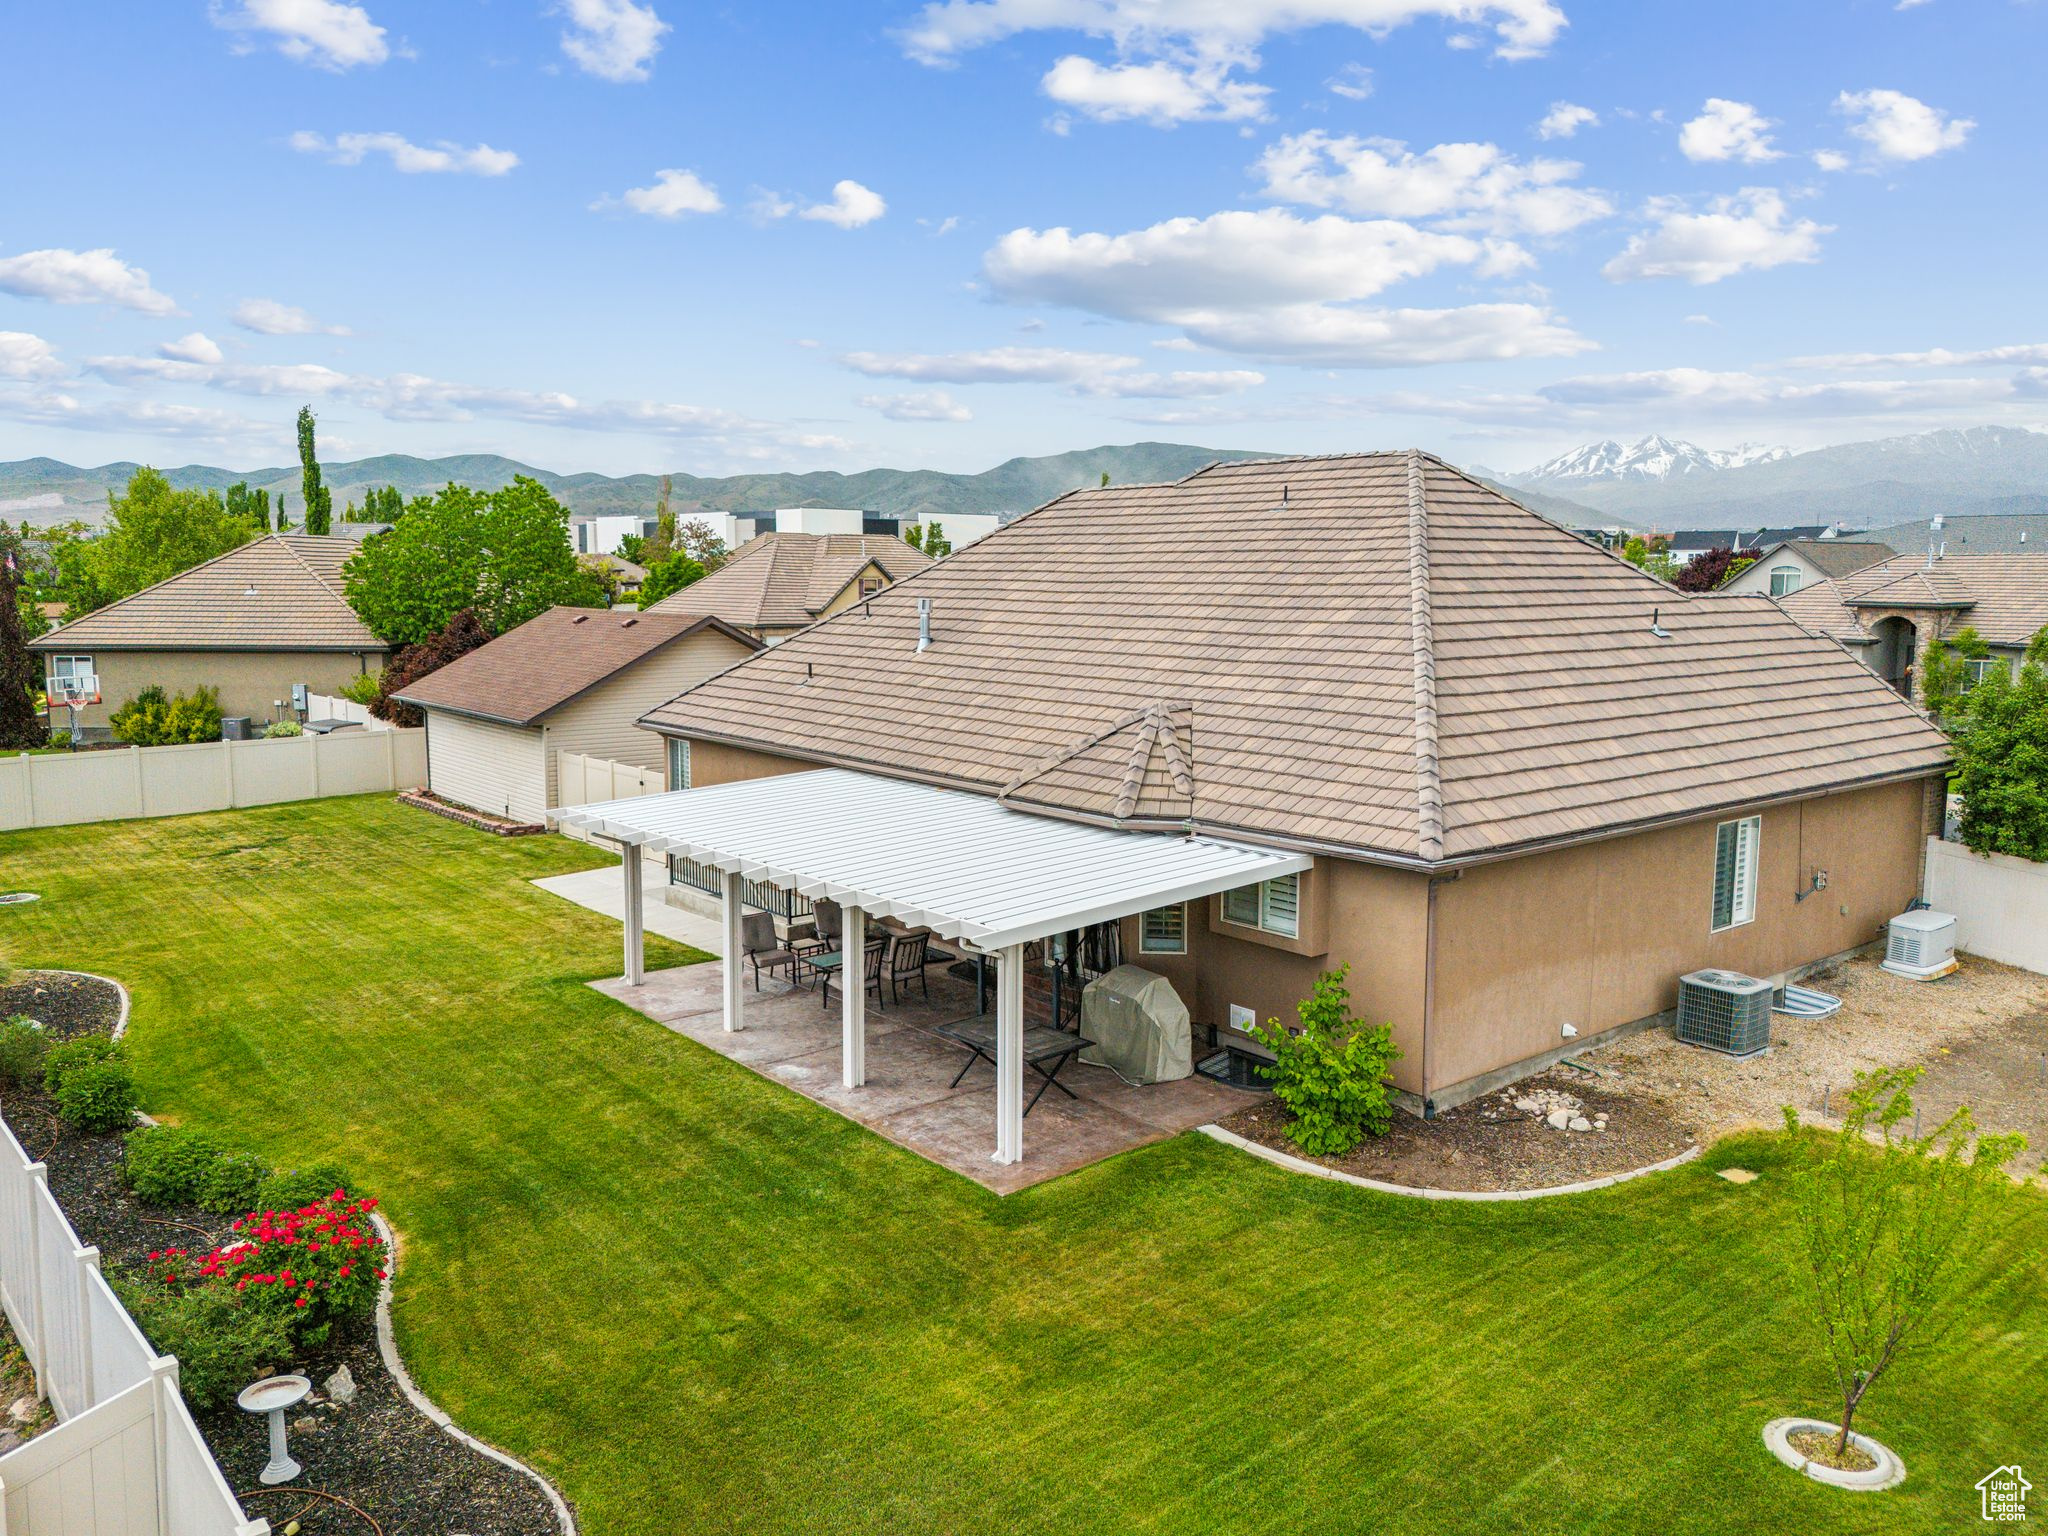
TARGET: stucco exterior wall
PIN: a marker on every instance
(249, 681)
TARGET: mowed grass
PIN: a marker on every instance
(701, 1303)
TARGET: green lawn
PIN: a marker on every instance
(702, 1303)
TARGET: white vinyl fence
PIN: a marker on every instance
(125, 1458)
(325, 706)
(59, 789)
(2000, 902)
(581, 780)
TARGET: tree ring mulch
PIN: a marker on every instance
(377, 1452)
(19, 898)
(66, 1003)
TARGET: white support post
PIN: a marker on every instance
(88, 1262)
(853, 1037)
(636, 948)
(39, 1177)
(1010, 1054)
(734, 958)
(163, 1383)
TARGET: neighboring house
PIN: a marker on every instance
(1690, 542)
(630, 577)
(1784, 567)
(783, 582)
(2018, 533)
(1520, 787)
(249, 623)
(359, 531)
(1887, 613)
(960, 528)
(570, 680)
(599, 534)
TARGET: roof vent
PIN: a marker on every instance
(249, 590)
(1657, 628)
(627, 623)
(580, 618)
(924, 625)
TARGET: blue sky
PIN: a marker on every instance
(623, 235)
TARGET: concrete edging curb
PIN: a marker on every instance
(1889, 1472)
(1317, 1170)
(120, 1023)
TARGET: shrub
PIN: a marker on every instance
(23, 1046)
(296, 1188)
(168, 1164)
(221, 1342)
(85, 1051)
(232, 1184)
(60, 740)
(153, 719)
(1331, 1073)
(360, 689)
(308, 1268)
(100, 1097)
(279, 728)
(2001, 739)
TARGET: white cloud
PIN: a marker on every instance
(612, 39)
(1158, 92)
(1565, 119)
(1470, 186)
(130, 417)
(326, 33)
(195, 348)
(1936, 357)
(1728, 130)
(1176, 344)
(267, 317)
(921, 405)
(992, 365)
(1353, 82)
(1272, 285)
(1748, 232)
(23, 356)
(1899, 127)
(673, 194)
(852, 206)
(1703, 320)
(1182, 385)
(406, 156)
(1830, 160)
(82, 277)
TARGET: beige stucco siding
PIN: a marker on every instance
(1597, 936)
(486, 766)
(249, 682)
(601, 723)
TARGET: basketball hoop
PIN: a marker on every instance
(74, 692)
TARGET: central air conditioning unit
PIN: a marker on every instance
(1921, 945)
(1724, 1011)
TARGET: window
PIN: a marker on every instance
(71, 666)
(1977, 668)
(1735, 846)
(872, 583)
(1164, 930)
(678, 763)
(1784, 580)
(1273, 906)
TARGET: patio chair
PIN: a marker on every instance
(871, 972)
(826, 917)
(907, 958)
(759, 946)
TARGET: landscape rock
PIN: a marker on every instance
(1580, 1123)
(340, 1387)
(1559, 1119)
(22, 1410)
(8, 1441)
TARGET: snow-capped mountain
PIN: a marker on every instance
(1653, 458)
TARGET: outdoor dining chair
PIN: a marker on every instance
(829, 920)
(760, 946)
(907, 958)
(830, 965)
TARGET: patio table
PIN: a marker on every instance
(1041, 1045)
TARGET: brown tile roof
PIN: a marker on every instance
(549, 660)
(785, 580)
(281, 592)
(2003, 597)
(1372, 653)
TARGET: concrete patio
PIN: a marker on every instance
(792, 1038)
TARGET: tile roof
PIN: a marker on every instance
(1371, 653)
(281, 592)
(1819, 605)
(551, 659)
(2003, 597)
(2013, 533)
(785, 580)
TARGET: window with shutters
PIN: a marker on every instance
(1164, 931)
(1735, 866)
(678, 763)
(1272, 906)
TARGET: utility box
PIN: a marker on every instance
(234, 728)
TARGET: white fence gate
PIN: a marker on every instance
(2000, 902)
(125, 1458)
(581, 780)
(60, 789)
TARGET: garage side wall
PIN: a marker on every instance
(604, 721)
(487, 767)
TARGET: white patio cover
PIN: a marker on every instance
(961, 864)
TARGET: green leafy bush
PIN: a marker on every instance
(221, 1340)
(23, 1046)
(360, 689)
(168, 1164)
(100, 1097)
(2001, 738)
(233, 1184)
(295, 1188)
(1331, 1073)
(153, 719)
(282, 728)
(85, 1051)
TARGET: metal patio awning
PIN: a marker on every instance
(961, 864)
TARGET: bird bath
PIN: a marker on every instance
(273, 1395)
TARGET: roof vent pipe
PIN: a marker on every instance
(1657, 628)
(924, 625)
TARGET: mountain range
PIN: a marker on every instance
(1653, 458)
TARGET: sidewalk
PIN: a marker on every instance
(603, 890)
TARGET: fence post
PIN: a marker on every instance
(313, 742)
(39, 1177)
(88, 1261)
(227, 758)
(141, 784)
(163, 1381)
(390, 758)
(28, 795)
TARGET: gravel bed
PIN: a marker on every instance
(66, 1005)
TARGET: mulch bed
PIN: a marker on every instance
(1489, 1144)
(408, 1475)
(66, 1005)
(1819, 1445)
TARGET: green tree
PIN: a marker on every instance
(667, 577)
(319, 500)
(1892, 1225)
(1331, 1072)
(697, 540)
(662, 543)
(929, 537)
(153, 533)
(21, 678)
(504, 553)
(2000, 730)
(1945, 671)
